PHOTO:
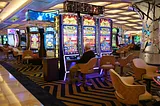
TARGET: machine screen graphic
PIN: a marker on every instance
(50, 41)
(11, 40)
(89, 36)
(70, 39)
(35, 41)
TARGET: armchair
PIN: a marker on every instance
(126, 92)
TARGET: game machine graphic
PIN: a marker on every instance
(4, 39)
(105, 35)
(120, 37)
(114, 38)
(50, 41)
(23, 39)
(89, 32)
(13, 37)
(69, 40)
(34, 38)
(127, 39)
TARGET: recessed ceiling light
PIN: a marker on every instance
(99, 3)
(128, 13)
(121, 22)
(136, 20)
(3, 4)
(113, 11)
(111, 16)
(117, 5)
(114, 20)
(123, 18)
(130, 24)
(137, 16)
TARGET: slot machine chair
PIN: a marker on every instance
(107, 63)
(126, 92)
(142, 71)
(27, 55)
(87, 68)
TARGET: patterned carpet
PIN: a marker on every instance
(101, 93)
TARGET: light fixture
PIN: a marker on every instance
(136, 20)
(99, 3)
(121, 22)
(111, 16)
(130, 24)
(128, 13)
(113, 11)
(123, 18)
(138, 27)
(117, 5)
(137, 16)
(3, 4)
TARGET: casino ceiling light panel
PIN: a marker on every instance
(121, 22)
(100, 3)
(118, 5)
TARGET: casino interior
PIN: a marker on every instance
(40, 40)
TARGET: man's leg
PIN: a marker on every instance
(73, 70)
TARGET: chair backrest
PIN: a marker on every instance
(88, 67)
(107, 60)
(27, 53)
(139, 68)
(125, 93)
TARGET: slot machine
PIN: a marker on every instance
(105, 32)
(34, 38)
(13, 37)
(0, 39)
(69, 41)
(4, 39)
(23, 39)
(89, 32)
(50, 40)
(114, 38)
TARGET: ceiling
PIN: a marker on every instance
(117, 10)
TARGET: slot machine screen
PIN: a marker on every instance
(49, 41)
(0, 39)
(89, 31)
(33, 29)
(11, 40)
(89, 36)
(105, 39)
(114, 40)
(35, 41)
(70, 39)
(5, 40)
(49, 29)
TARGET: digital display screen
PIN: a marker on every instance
(70, 19)
(0, 39)
(5, 39)
(11, 40)
(105, 43)
(41, 16)
(33, 29)
(49, 41)
(114, 41)
(70, 39)
(12, 31)
(34, 41)
(114, 31)
(104, 22)
(49, 29)
(89, 36)
(22, 31)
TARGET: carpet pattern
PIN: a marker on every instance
(101, 93)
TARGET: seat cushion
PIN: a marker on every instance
(108, 66)
(145, 96)
(150, 75)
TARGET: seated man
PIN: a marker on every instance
(88, 54)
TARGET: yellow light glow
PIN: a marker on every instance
(138, 27)
(117, 5)
(58, 6)
(114, 20)
(99, 3)
(137, 16)
(121, 22)
(13, 7)
(124, 18)
(138, 20)
(130, 24)
(3, 4)
(128, 13)
(111, 16)
(113, 11)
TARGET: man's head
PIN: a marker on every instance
(87, 47)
